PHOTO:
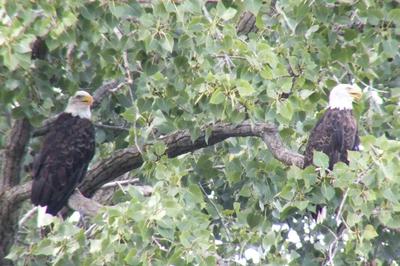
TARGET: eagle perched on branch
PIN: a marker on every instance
(336, 132)
(65, 155)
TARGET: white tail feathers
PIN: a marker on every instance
(44, 218)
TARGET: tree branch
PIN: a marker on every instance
(83, 205)
(246, 24)
(177, 143)
(112, 127)
(180, 143)
(120, 183)
(14, 153)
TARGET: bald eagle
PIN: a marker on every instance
(65, 155)
(336, 131)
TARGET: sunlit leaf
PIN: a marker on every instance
(320, 159)
(369, 232)
(217, 97)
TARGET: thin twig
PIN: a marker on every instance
(128, 75)
(26, 216)
(161, 247)
(117, 128)
(231, 56)
(228, 233)
(339, 218)
(89, 231)
(339, 213)
(332, 247)
(119, 183)
(135, 138)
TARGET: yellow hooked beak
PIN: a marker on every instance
(88, 100)
(355, 92)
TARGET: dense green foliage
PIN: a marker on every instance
(190, 68)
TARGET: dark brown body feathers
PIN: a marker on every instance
(334, 134)
(62, 162)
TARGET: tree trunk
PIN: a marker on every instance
(8, 226)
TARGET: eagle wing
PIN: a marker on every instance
(334, 134)
(62, 163)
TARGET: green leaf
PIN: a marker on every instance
(389, 195)
(327, 191)
(254, 219)
(196, 193)
(159, 148)
(266, 73)
(24, 46)
(320, 159)
(253, 6)
(217, 97)
(69, 19)
(301, 205)
(229, 13)
(129, 114)
(391, 47)
(45, 247)
(311, 30)
(168, 43)
(344, 176)
(245, 88)
(125, 10)
(286, 110)
(95, 245)
(233, 170)
(10, 60)
(287, 192)
(394, 15)
(131, 258)
(369, 232)
(353, 219)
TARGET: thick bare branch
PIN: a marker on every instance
(246, 24)
(180, 143)
(77, 201)
(83, 205)
(17, 194)
(14, 153)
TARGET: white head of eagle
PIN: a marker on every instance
(79, 105)
(343, 95)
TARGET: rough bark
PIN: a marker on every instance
(8, 226)
(14, 154)
(246, 24)
(180, 143)
(83, 205)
